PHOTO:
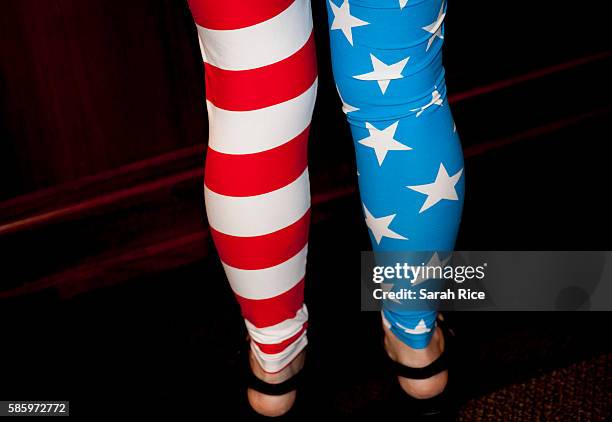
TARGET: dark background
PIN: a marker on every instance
(111, 294)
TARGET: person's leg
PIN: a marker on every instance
(261, 81)
(387, 63)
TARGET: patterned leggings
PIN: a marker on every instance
(261, 84)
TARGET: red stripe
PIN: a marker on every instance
(272, 349)
(268, 312)
(257, 252)
(258, 173)
(234, 14)
(242, 90)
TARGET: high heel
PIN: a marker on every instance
(441, 407)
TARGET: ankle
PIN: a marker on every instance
(274, 406)
(277, 377)
(418, 358)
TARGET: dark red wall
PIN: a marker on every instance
(87, 86)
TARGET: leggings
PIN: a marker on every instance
(261, 83)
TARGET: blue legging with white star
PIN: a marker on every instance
(387, 64)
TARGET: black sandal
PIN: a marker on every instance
(440, 407)
(249, 380)
(272, 389)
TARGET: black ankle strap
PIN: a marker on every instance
(266, 388)
(275, 389)
(437, 366)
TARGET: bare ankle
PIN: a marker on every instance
(277, 377)
(418, 358)
(274, 405)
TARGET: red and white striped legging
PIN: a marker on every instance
(261, 82)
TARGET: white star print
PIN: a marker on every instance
(403, 3)
(421, 328)
(382, 141)
(442, 188)
(380, 226)
(383, 73)
(344, 21)
(435, 99)
(346, 108)
(435, 27)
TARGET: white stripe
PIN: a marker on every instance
(276, 362)
(268, 282)
(262, 44)
(201, 48)
(248, 132)
(247, 216)
(280, 332)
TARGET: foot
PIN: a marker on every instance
(418, 358)
(274, 405)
